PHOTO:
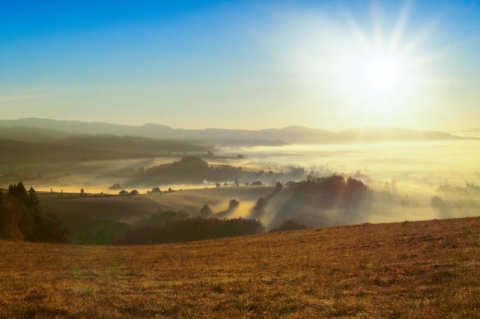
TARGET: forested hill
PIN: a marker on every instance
(83, 148)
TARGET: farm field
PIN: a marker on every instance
(423, 269)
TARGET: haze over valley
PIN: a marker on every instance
(239, 159)
(88, 172)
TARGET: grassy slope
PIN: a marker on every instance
(402, 270)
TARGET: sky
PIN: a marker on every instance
(243, 64)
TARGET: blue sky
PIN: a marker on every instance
(241, 64)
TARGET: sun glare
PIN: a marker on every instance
(381, 74)
(373, 67)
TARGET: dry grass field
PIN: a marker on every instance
(428, 269)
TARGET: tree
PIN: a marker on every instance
(233, 204)
(10, 219)
(205, 211)
(115, 186)
(191, 229)
(33, 202)
(278, 187)
(49, 229)
(260, 207)
(155, 190)
(21, 217)
(20, 212)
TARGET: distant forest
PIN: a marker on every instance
(193, 169)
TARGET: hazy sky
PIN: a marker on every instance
(243, 64)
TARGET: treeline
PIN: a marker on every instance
(193, 169)
(180, 229)
(334, 190)
(189, 168)
(21, 217)
(325, 201)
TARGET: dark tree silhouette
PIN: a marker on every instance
(205, 211)
(156, 190)
(192, 229)
(233, 204)
(278, 187)
(115, 187)
(323, 201)
(18, 191)
(21, 217)
(260, 207)
(290, 224)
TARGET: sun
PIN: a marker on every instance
(370, 67)
(381, 74)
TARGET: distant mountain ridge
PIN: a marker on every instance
(287, 135)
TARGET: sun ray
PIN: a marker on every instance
(376, 18)
(376, 64)
(399, 30)
(358, 34)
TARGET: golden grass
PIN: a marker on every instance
(402, 270)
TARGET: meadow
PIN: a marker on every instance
(424, 269)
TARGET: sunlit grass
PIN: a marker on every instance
(404, 270)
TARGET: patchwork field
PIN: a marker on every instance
(427, 269)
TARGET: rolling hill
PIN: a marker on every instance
(288, 135)
(84, 148)
(385, 133)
